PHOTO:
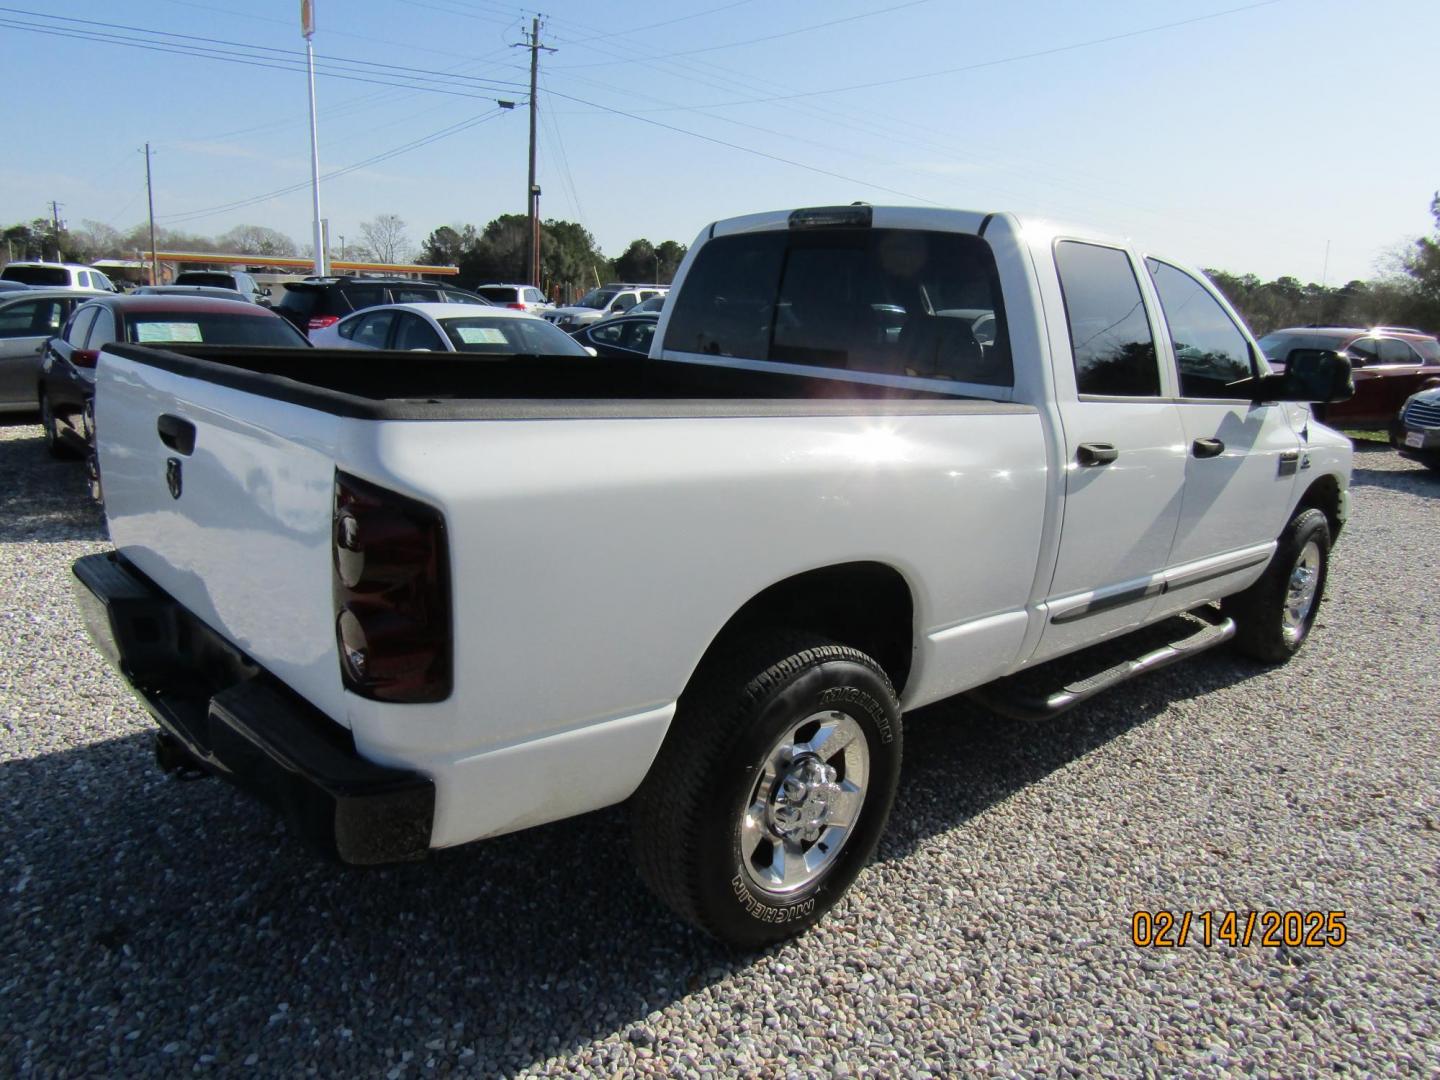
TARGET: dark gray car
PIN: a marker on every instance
(28, 317)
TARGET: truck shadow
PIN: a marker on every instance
(43, 499)
(160, 896)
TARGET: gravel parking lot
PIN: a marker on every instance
(153, 926)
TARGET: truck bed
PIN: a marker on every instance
(385, 385)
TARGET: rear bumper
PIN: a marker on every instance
(229, 717)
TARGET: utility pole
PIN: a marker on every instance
(55, 217)
(150, 198)
(532, 190)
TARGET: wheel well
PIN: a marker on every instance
(1324, 495)
(866, 605)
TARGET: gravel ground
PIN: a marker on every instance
(152, 926)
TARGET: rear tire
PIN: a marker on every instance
(53, 445)
(1274, 616)
(772, 788)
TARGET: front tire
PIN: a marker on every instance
(771, 790)
(1274, 616)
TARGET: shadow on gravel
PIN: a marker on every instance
(44, 499)
(1417, 481)
(960, 759)
(184, 913)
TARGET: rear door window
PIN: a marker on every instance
(880, 301)
(411, 294)
(363, 296)
(1365, 349)
(373, 330)
(1210, 350)
(413, 332)
(1110, 338)
(33, 318)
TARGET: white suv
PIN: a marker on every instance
(516, 297)
(49, 275)
(615, 298)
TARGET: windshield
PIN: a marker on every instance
(597, 298)
(210, 329)
(487, 334)
(37, 275)
(503, 294)
(205, 277)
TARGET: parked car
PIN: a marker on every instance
(67, 367)
(627, 336)
(316, 303)
(214, 292)
(469, 328)
(1390, 364)
(614, 299)
(655, 304)
(518, 297)
(419, 603)
(1416, 433)
(28, 318)
(57, 276)
(234, 280)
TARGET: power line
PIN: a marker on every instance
(219, 48)
(384, 155)
(772, 37)
(744, 149)
(999, 60)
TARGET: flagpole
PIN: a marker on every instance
(307, 27)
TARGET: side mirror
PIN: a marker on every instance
(265, 291)
(1311, 375)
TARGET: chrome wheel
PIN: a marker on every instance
(1300, 593)
(805, 802)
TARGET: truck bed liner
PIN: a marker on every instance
(385, 385)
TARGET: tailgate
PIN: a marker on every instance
(229, 517)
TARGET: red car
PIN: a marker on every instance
(1390, 364)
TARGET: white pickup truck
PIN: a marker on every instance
(878, 457)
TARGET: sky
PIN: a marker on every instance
(1277, 137)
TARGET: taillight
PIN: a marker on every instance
(516, 307)
(392, 594)
(86, 358)
(319, 322)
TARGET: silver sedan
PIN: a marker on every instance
(27, 319)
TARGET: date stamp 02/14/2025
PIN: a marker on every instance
(1238, 929)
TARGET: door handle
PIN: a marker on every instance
(1095, 453)
(176, 433)
(1207, 447)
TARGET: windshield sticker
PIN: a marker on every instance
(167, 331)
(481, 335)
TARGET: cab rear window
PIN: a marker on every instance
(894, 302)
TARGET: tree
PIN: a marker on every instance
(97, 240)
(1423, 267)
(638, 263)
(386, 238)
(671, 256)
(448, 245)
(257, 240)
